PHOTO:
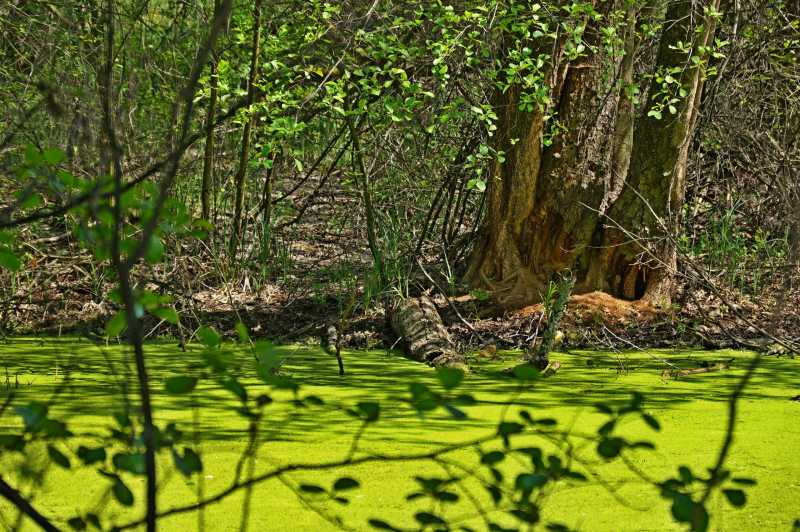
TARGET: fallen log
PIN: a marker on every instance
(418, 324)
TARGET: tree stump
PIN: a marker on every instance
(418, 324)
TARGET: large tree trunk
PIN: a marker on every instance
(552, 208)
(537, 222)
(638, 257)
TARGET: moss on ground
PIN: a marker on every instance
(692, 413)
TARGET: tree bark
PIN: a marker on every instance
(208, 155)
(537, 222)
(241, 172)
(418, 324)
(554, 207)
(638, 256)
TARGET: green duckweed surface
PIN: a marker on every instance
(692, 413)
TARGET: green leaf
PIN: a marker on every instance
(528, 516)
(93, 520)
(9, 261)
(58, 457)
(155, 250)
(509, 427)
(477, 184)
(12, 442)
(33, 156)
(122, 419)
(188, 463)
(32, 414)
(345, 483)
(736, 497)
(369, 411)
(528, 482)
(31, 201)
(51, 428)
(610, 447)
(464, 399)
(235, 387)
(208, 336)
(117, 324)
(122, 493)
(89, 456)
(457, 413)
(241, 330)
(682, 506)
(526, 372)
(651, 421)
(180, 384)
(131, 462)
(450, 377)
(54, 156)
(496, 494)
(268, 357)
(427, 518)
(311, 488)
(382, 525)
(744, 481)
(493, 457)
(168, 314)
(604, 408)
(76, 523)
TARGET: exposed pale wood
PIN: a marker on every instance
(425, 338)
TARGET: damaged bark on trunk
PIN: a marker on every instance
(559, 205)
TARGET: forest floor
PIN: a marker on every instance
(691, 411)
(61, 291)
(300, 288)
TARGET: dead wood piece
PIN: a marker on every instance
(551, 369)
(673, 374)
(424, 335)
(332, 344)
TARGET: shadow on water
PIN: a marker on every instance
(97, 374)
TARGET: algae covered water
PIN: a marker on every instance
(315, 424)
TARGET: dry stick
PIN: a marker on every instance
(322, 513)
(123, 267)
(699, 276)
(436, 206)
(208, 156)
(29, 112)
(449, 302)
(433, 211)
(307, 203)
(241, 172)
(651, 355)
(367, 196)
(95, 191)
(15, 497)
(123, 273)
(314, 166)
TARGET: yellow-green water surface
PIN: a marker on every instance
(692, 413)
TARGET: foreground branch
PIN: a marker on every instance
(14, 497)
